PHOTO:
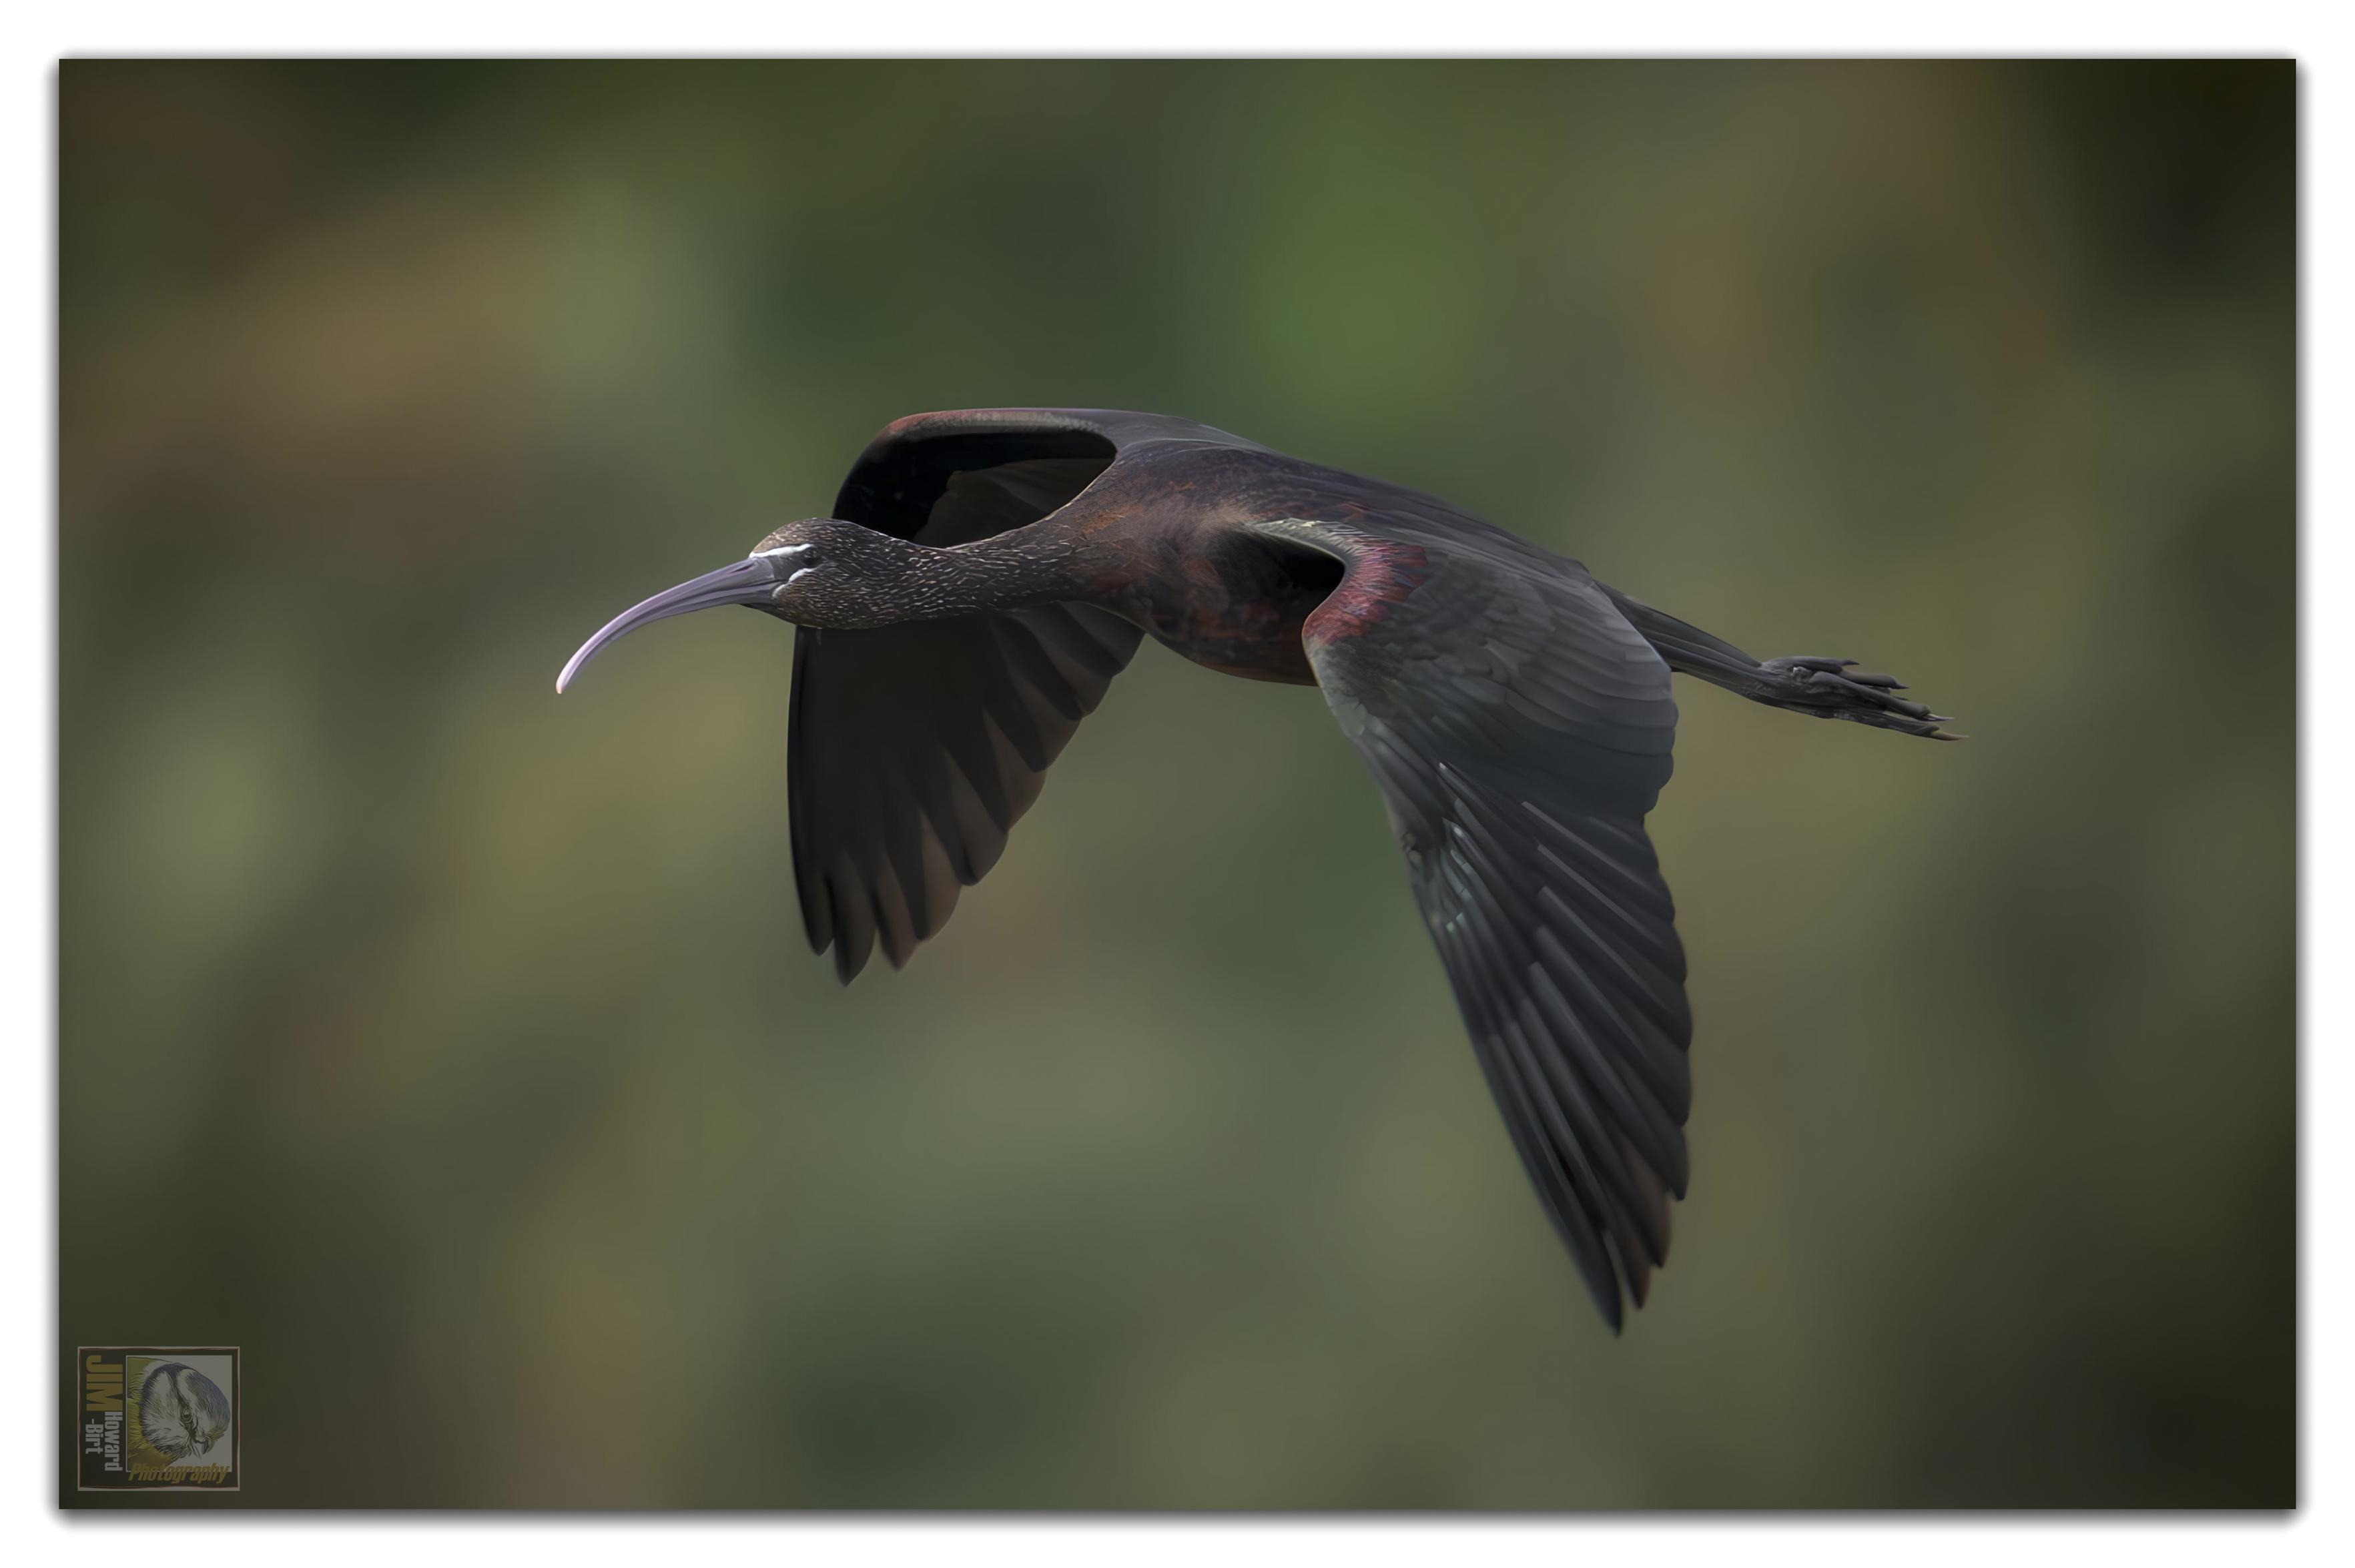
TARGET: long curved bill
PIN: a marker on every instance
(741, 583)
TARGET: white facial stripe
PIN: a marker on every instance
(805, 571)
(781, 550)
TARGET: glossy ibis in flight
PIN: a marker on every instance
(986, 575)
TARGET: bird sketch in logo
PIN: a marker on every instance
(182, 1413)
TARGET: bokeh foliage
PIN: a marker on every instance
(454, 1048)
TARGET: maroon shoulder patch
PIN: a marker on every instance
(1381, 574)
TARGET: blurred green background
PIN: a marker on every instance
(455, 1049)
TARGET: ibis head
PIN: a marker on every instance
(817, 571)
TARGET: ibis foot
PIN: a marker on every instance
(1834, 688)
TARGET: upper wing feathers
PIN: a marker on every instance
(1520, 728)
(915, 749)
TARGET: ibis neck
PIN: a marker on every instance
(1016, 570)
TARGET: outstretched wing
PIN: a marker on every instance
(1519, 730)
(915, 748)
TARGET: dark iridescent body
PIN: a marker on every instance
(989, 571)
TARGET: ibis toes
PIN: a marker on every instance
(1825, 689)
